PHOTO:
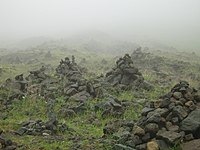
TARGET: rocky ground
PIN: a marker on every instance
(88, 101)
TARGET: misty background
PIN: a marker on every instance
(175, 23)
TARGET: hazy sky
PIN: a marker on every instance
(174, 22)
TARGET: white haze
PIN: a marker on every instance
(172, 22)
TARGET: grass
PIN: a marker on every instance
(87, 133)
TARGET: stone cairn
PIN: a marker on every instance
(169, 121)
(76, 86)
(125, 74)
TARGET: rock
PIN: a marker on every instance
(162, 111)
(39, 127)
(192, 122)
(136, 139)
(12, 147)
(180, 112)
(153, 145)
(45, 134)
(71, 91)
(174, 128)
(166, 122)
(189, 103)
(122, 132)
(197, 98)
(152, 128)
(146, 137)
(189, 137)
(138, 131)
(122, 147)
(21, 131)
(124, 73)
(163, 145)
(81, 96)
(153, 117)
(141, 146)
(177, 95)
(192, 145)
(165, 103)
(169, 136)
(146, 110)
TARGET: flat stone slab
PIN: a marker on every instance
(192, 145)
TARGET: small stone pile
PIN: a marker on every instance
(39, 127)
(172, 119)
(6, 144)
(125, 74)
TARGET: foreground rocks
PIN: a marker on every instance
(6, 144)
(192, 145)
(169, 121)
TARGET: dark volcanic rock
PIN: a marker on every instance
(192, 145)
(168, 121)
(192, 122)
(170, 136)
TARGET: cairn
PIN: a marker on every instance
(169, 121)
(125, 74)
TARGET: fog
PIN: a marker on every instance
(172, 22)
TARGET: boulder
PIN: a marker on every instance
(153, 145)
(169, 136)
(192, 145)
(192, 122)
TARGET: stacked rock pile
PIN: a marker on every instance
(125, 74)
(169, 121)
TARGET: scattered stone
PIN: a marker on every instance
(122, 147)
(169, 136)
(192, 145)
(153, 145)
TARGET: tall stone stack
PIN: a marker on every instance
(124, 73)
(77, 87)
